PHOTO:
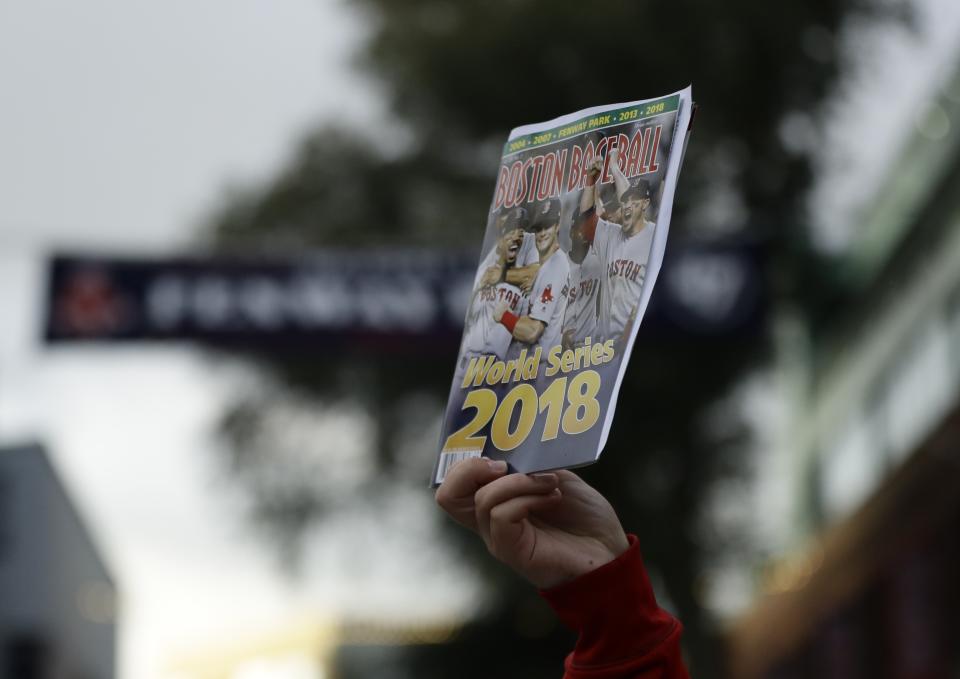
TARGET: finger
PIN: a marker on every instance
(507, 488)
(508, 523)
(566, 476)
(455, 495)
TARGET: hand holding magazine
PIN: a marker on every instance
(574, 240)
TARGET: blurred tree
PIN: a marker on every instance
(458, 76)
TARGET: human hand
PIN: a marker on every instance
(491, 276)
(550, 527)
(594, 168)
(614, 157)
(526, 276)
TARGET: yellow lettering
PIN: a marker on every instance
(584, 409)
(553, 361)
(510, 371)
(531, 366)
(500, 434)
(580, 355)
(596, 353)
(552, 401)
(465, 438)
(608, 348)
(477, 370)
(495, 373)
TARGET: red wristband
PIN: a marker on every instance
(509, 321)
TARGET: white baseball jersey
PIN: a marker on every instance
(548, 301)
(625, 268)
(583, 298)
(482, 334)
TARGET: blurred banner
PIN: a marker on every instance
(406, 300)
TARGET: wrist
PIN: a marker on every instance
(606, 551)
(509, 321)
(589, 558)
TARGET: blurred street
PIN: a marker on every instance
(208, 502)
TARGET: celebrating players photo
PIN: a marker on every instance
(575, 237)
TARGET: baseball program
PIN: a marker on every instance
(574, 239)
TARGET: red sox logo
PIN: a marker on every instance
(547, 295)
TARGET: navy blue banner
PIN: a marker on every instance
(406, 299)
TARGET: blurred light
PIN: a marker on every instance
(368, 633)
(793, 573)
(294, 666)
(921, 389)
(852, 466)
(302, 650)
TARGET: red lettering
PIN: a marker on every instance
(643, 153)
(576, 155)
(605, 144)
(623, 148)
(501, 195)
(550, 177)
(523, 180)
(636, 145)
(557, 179)
(512, 191)
(588, 154)
(536, 178)
(543, 181)
(653, 152)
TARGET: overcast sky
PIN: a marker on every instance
(122, 122)
(122, 119)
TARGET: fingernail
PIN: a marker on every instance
(544, 478)
(498, 466)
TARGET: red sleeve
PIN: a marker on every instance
(588, 220)
(624, 634)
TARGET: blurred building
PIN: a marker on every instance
(872, 447)
(57, 599)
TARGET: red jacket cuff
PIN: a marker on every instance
(616, 614)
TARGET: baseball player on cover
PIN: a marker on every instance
(609, 208)
(542, 321)
(514, 248)
(523, 271)
(583, 300)
(624, 250)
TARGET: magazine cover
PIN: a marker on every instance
(574, 240)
